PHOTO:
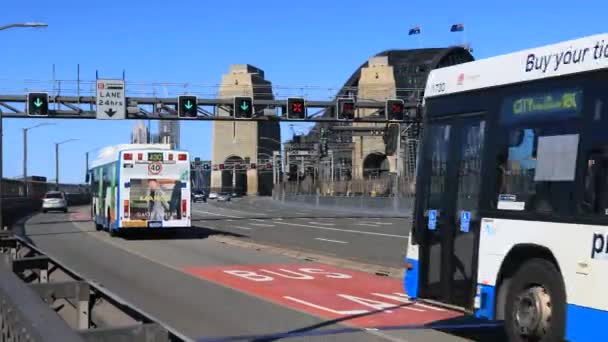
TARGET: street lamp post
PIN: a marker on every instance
(30, 24)
(5, 27)
(25, 153)
(57, 160)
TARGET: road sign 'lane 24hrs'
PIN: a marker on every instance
(111, 103)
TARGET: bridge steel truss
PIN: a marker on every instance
(165, 108)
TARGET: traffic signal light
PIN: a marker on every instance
(187, 107)
(206, 167)
(38, 104)
(345, 109)
(243, 107)
(296, 108)
(395, 110)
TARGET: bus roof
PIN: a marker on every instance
(110, 153)
(565, 58)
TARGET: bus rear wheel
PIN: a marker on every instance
(536, 303)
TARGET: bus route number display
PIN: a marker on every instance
(155, 156)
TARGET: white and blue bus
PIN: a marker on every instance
(511, 214)
(140, 186)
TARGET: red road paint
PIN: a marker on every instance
(327, 292)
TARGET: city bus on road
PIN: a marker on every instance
(511, 213)
(140, 186)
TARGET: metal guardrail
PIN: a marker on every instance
(25, 317)
(36, 292)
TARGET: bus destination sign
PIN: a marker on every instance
(561, 103)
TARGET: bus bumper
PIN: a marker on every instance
(484, 301)
(411, 277)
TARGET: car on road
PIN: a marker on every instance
(223, 197)
(199, 196)
(54, 200)
(213, 195)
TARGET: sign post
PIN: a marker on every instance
(111, 102)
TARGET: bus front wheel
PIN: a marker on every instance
(536, 303)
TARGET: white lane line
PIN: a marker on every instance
(215, 214)
(328, 240)
(322, 223)
(380, 223)
(322, 228)
(366, 224)
(262, 224)
(277, 219)
(345, 230)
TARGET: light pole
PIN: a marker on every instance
(29, 24)
(86, 155)
(25, 153)
(5, 27)
(57, 160)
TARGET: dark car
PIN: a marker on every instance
(199, 196)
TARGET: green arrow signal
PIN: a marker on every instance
(244, 105)
(38, 102)
(188, 105)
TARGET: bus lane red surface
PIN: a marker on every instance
(361, 299)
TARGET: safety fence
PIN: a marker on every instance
(385, 185)
(42, 300)
(36, 189)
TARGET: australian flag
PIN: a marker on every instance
(457, 28)
(414, 30)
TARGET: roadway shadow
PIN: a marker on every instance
(465, 327)
(477, 330)
(196, 232)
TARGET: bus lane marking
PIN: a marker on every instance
(363, 300)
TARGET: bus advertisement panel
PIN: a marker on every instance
(155, 199)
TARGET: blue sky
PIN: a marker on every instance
(317, 43)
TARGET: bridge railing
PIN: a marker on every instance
(25, 317)
(32, 282)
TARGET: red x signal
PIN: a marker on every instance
(297, 107)
(397, 108)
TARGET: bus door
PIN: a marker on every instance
(449, 228)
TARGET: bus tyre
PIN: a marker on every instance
(536, 303)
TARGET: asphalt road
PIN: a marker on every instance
(149, 270)
(348, 235)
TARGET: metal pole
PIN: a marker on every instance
(25, 186)
(56, 166)
(332, 167)
(233, 178)
(274, 169)
(86, 165)
(1, 167)
(303, 171)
